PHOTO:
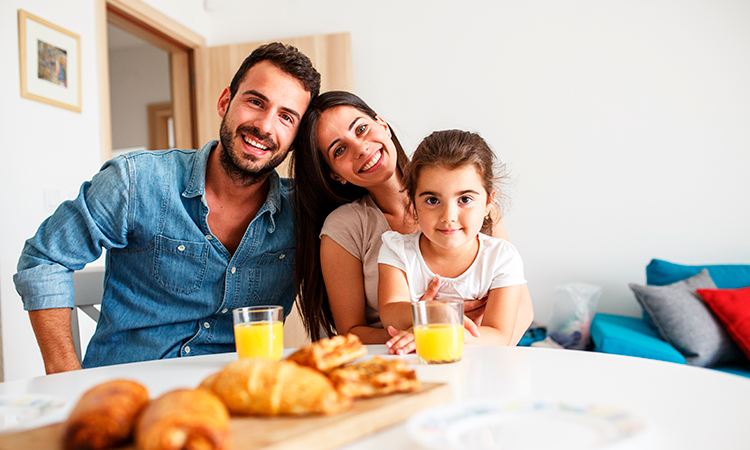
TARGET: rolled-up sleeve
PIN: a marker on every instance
(74, 236)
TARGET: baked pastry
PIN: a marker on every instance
(191, 419)
(375, 377)
(104, 416)
(264, 387)
(329, 353)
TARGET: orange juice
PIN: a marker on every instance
(439, 343)
(259, 340)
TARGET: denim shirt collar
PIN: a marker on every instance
(196, 186)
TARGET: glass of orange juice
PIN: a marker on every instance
(439, 330)
(259, 331)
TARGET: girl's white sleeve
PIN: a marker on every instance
(392, 250)
(508, 270)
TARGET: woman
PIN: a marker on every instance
(348, 167)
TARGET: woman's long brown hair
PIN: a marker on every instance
(314, 196)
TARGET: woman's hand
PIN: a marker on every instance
(471, 327)
(474, 310)
(401, 342)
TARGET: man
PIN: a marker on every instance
(190, 234)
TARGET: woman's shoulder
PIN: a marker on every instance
(358, 210)
(345, 213)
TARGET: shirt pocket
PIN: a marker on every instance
(179, 266)
(275, 276)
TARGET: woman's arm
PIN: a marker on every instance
(500, 318)
(525, 309)
(344, 279)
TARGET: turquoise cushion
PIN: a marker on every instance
(743, 371)
(725, 276)
(630, 336)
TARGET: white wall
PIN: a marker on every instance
(624, 122)
(47, 150)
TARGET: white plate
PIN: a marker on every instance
(526, 425)
(21, 411)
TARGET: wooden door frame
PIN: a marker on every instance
(159, 115)
(181, 43)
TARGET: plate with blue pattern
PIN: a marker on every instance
(485, 424)
(24, 411)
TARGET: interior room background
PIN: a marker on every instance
(624, 123)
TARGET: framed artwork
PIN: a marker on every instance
(50, 59)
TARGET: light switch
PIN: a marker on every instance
(51, 198)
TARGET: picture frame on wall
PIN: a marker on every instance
(50, 61)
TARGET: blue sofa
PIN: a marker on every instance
(632, 336)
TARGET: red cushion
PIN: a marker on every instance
(732, 307)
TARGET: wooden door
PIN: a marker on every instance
(215, 67)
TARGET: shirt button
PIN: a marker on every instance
(281, 256)
(181, 248)
(187, 350)
(224, 311)
(234, 269)
(207, 325)
(209, 237)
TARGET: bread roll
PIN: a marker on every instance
(258, 386)
(373, 378)
(104, 416)
(184, 419)
(328, 353)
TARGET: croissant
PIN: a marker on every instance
(270, 388)
(104, 416)
(184, 419)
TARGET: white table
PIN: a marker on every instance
(683, 407)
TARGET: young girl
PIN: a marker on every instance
(450, 183)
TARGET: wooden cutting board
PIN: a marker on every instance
(279, 433)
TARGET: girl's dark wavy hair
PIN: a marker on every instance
(315, 195)
(453, 149)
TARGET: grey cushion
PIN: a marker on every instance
(686, 322)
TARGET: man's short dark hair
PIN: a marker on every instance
(285, 57)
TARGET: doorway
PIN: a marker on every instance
(140, 94)
(138, 21)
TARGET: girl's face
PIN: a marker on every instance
(357, 148)
(451, 205)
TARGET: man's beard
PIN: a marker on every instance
(236, 166)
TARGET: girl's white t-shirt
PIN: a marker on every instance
(498, 264)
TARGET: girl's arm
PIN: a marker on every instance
(344, 279)
(394, 303)
(500, 317)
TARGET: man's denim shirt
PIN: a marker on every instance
(170, 285)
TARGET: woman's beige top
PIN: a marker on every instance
(357, 227)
